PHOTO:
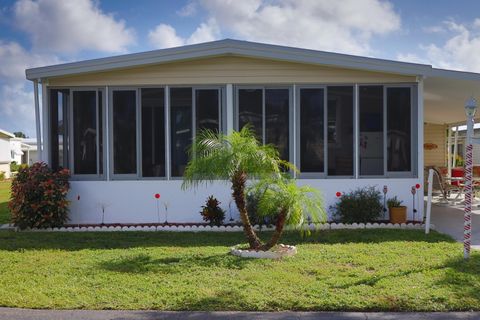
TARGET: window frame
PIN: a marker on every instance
(413, 173)
(128, 176)
(291, 104)
(222, 115)
(96, 176)
(165, 128)
(66, 115)
(413, 132)
(319, 174)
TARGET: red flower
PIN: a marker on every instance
(157, 195)
(338, 194)
(417, 186)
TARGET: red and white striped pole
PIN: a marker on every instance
(470, 109)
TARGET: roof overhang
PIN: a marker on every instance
(6, 134)
(228, 47)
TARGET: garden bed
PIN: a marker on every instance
(369, 269)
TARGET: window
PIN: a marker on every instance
(124, 126)
(371, 137)
(207, 109)
(268, 112)
(312, 128)
(153, 132)
(59, 102)
(85, 133)
(250, 110)
(340, 131)
(399, 137)
(205, 104)
(181, 128)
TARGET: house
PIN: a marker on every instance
(5, 152)
(122, 124)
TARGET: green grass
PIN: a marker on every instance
(333, 270)
(4, 198)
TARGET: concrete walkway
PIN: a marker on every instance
(27, 314)
(449, 220)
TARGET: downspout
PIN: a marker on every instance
(37, 120)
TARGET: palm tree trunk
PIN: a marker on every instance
(239, 180)
(277, 233)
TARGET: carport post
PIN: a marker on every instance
(470, 109)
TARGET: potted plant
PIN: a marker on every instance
(398, 213)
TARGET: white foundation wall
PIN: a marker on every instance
(135, 202)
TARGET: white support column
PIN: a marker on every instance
(107, 133)
(229, 109)
(46, 125)
(356, 129)
(455, 148)
(420, 140)
(37, 120)
(168, 140)
(449, 151)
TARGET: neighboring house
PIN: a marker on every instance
(122, 124)
(23, 150)
(5, 152)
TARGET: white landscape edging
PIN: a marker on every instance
(207, 228)
(281, 252)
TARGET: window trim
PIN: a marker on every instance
(87, 177)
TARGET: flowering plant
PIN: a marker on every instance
(39, 197)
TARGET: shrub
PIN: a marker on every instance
(39, 197)
(361, 205)
(253, 198)
(14, 166)
(212, 213)
(394, 202)
(2, 175)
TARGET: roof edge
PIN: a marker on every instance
(229, 47)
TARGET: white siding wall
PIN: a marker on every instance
(5, 156)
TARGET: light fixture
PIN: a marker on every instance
(471, 107)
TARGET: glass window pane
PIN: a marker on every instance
(207, 109)
(340, 131)
(181, 128)
(399, 129)
(59, 101)
(153, 132)
(100, 132)
(371, 130)
(84, 132)
(124, 132)
(277, 117)
(250, 110)
(312, 130)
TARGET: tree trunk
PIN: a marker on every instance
(277, 233)
(238, 187)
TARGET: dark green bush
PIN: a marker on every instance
(212, 213)
(252, 210)
(360, 205)
(39, 197)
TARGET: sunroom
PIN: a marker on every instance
(123, 125)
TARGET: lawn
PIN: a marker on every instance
(4, 198)
(334, 270)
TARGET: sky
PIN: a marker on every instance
(33, 33)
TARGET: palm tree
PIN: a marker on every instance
(234, 158)
(289, 204)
